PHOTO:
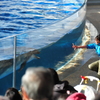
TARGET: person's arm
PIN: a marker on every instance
(76, 47)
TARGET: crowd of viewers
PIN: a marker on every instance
(44, 84)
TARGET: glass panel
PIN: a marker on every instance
(49, 43)
(6, 54)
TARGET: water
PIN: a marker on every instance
(18, 16)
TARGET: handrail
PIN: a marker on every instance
(14, 63)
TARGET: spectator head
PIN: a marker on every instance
(76, 96)
(97, 39)
(37, 84)
(13, 94)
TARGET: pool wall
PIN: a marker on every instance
(49, 57)
(55, 46)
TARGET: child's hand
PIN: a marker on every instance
(74, 46)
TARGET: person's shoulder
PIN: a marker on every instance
(91, 44)
(3, 97)
(64, 81)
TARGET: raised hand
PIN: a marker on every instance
(74, 46)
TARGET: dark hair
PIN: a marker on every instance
(98, 37)
(55, 76)
(13, 94)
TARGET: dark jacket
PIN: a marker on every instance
(62, 90)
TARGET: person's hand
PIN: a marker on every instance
(74, 46)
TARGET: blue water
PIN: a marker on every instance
(18, 16)
(54, 56)
(25, 16)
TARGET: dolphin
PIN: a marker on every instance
(31, 53)
(21, 60)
